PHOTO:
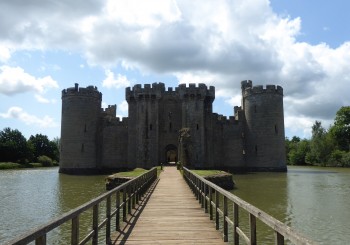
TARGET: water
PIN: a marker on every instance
(314, 201)
(29, 198)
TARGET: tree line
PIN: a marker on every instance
(14, 147)
(326, 147)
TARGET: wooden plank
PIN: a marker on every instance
(171, 215)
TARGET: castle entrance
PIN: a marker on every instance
(171, 154)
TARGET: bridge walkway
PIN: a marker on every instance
(170, 215)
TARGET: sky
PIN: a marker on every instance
(47, 46)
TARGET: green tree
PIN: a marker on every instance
(14, 146)
(321, 145)
(56, 145)
(298, 155)
(341, 128)
(43, 146)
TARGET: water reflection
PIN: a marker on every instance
(314, 201)
(267, 191)
(27, 199)
(317, 204)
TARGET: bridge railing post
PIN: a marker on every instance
(235, 224)
(210, 203)
(95, 224)
(124, 204)
(279, 239)
(252, 224)
(217, 218)
(117, 215)
(225, 220)
(75, 231)
(205, 198)
(108, 216)
(41, 240)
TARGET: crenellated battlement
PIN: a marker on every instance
(157, 90)
(153, 91)
(90, 91)
(115, 121)
(111, 111)
(193, 91)
(248, 89)
(219, 118)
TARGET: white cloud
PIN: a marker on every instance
(216, 42)
(42, 99)
(111, 81)
(5, 53)
(20, 114)
(123, 108)
(14, 80)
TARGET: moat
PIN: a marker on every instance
(314, 201)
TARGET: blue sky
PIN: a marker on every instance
(47, 46)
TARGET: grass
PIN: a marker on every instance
(204, 173)
(133, 173)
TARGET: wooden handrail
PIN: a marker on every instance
(132, 191)
(204, 189)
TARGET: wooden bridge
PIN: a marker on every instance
(171, 216)
(151, 210)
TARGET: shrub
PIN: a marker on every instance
(45, 161)
(10, 165)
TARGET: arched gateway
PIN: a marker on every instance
(171, 154)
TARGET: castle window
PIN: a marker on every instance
(256, 150)
(170, 126)
(82, 147)
(85, 128)
(197, 126)
(150, 127)
(255, 108)
(276, 129)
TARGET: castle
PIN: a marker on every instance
(172, 125)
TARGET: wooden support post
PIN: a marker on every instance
(117, 215)
(129, 199)
(108, 224)
(197, 189)
(137, 192)
(205, 198)
(225, 221)
(210, 203)
(217, 218)
(95, 224)
(75, 231)
(41, 240)
(252, 224)
(235, 224)
(202, 193)
(124, 204)
(133, 195)
(279, 239)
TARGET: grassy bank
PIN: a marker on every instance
(204, 173)
(13, 165)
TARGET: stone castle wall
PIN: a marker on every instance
(94, 138)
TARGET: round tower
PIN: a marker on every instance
(264, 127)
(81, 108)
